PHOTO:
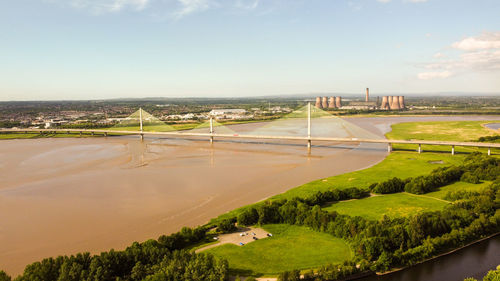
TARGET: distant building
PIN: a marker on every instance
(219, 112)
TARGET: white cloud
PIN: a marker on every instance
(434, 75)
(487, 40)
(191, 6)
(479, 54)
(417, 1)
(384, 1)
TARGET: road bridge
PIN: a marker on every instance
(211, 135)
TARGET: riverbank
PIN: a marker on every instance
(438, 256)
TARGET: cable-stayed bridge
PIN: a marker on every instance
(212, 134)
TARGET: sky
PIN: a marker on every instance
(99, 49)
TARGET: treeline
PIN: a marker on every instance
(86, 125)
(476, 167)
(345, 270)
(9, 124)
(495, 138)
(162, 259)
(271, 212)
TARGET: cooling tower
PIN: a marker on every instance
(402, 102)
(390, 102)
(318, 102)
(367, 94)
(395, 103)
(385, 102)
(324, 102)
(338, 102)
(331, 102)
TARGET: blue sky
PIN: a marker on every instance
(95, 49)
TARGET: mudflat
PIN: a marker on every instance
(63, 196)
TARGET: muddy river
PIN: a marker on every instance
(62, 196)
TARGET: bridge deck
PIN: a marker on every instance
(305, 138)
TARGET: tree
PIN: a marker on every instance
(248, 217)
(4, 276)
(226, 226)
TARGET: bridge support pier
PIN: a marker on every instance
(105, 134)
(452, 150)
(309, 144)
(211, 130)
(142, 137)
(489, 150)
(389, 147)
(419, 148)
(92, 133)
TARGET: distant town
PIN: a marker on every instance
(107, 113)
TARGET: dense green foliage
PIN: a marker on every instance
(492, 275)
(393, 185)
(439, 177)
(495, 138)
(152, 260)
(4, 276)
(226, 226)
(264, 213)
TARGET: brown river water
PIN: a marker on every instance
(63, 196)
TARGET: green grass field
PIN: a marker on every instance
(441, 130)
(392, 205)
(291, 247)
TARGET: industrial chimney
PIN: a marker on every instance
(324, 102)
(331, 102)
(367, 94)
(338, 102)
(318, 102)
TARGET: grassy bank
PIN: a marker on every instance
(291, 247)
(391, 205)
(442, 131)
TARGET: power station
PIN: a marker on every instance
(387, 103)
